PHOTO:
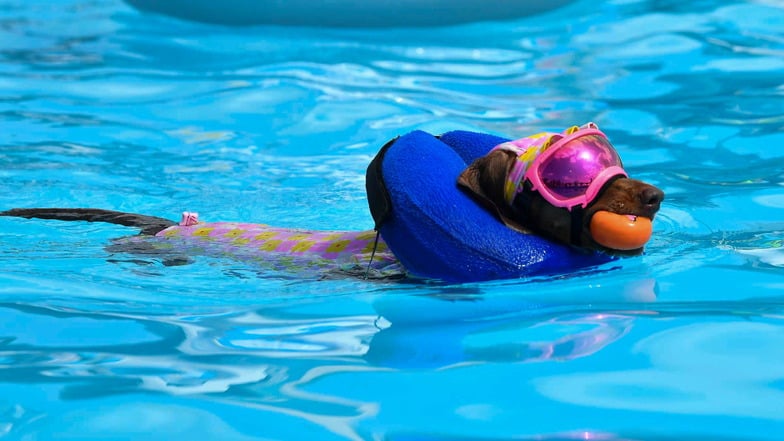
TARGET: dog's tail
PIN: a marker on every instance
(147, 224)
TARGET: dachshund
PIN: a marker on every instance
(505, 181)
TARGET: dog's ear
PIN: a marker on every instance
(486, 176)
(485, 180)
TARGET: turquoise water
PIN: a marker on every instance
(101, 106)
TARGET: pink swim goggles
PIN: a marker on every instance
(568, 169)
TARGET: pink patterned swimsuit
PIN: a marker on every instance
(284, 247)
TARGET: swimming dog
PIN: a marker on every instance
(563, 186)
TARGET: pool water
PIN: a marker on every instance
(101, 106)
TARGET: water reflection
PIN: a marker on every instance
(293, 364)
(271, 361)
(559, 338)
(690, 372)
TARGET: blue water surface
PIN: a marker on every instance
(102, 106)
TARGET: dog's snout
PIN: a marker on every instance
(651, 197)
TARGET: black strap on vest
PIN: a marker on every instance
(377, 195)
(379, 201)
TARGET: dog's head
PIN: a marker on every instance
(629, 204)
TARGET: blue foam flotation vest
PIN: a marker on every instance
(438, 231)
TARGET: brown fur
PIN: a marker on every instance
(485, 178)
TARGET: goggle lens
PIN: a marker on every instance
(573, 166)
